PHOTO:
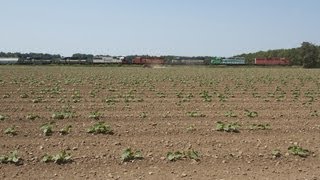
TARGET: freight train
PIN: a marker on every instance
(149, 61)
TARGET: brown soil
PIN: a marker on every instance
(162, 95)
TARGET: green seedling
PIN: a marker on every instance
(260, 127)
(128, 155)
(12, 158)
(174, 156)
(166, 114)
(256, 95)
(191, 128)
(161, 95)
(47, 158)
(276, 153)
(230, 114)
(178, 155)
(222, 98)
(271, 95)
(232, 127)
(111, 101)
(24, 95)
(206, 97)
(205, 94)
(61, 158)
(184, 100)
(100, 128)
(297, 150)
(314, 113)
(47, 129)
(95, 115)
(112, 90)
(251, 114)
(195, 114)
(94, 92)
(193, 155)
(189, 96)
(6, 96)
(62, 115)
(37, 100)
(32, 117)
(76, 97)
(143, 115)
(2, 117)
(11, 131)
(66, 130)
(61, 100)
(179, 95)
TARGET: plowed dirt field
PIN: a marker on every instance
(271, 120)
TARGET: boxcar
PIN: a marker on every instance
(228, 61)
(8, 60)
(106, 60)
(148, 60)
(73, 61)
(187, 62)
(271, 61)
(233, 61)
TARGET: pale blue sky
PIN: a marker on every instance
(157, 27)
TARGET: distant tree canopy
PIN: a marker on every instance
(306, 55)
(310, 55)
(82, 56)
(31, 55)
(293, 54)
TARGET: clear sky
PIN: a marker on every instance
(157, 27)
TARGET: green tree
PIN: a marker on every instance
(310, 55)
(82, 56)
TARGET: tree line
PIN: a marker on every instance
(307, 55)
(43, 56)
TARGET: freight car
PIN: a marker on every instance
(36, 61)
(106, 60)
(188, 62)
(71, 60)
(147, 60)
(271, 61)
(228, 61)
(9, 60)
